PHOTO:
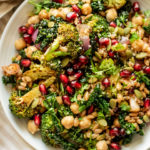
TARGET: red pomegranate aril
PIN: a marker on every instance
(37, 119)
(25, 62)
(115, 146)
(91, 109)
(70, 71)
(69, 89)
(30, 30)
(43, 89)
(136, 6)
(147, 70)
(76, 84)
(111, 54)
(137, 67)
(78, 74)
(83, 59)
(58, 1)
(106, 82)
(64, 79)
(23, 29)
(147, 103)
(122, 132)
(113, 24)
(114, 42)
(27, 38)
(77, 66)
(125, 73)
(66, 100)
(114, 132)
(104, 41)
(76, 8)
(71, 16)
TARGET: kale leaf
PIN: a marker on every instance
(97, 5)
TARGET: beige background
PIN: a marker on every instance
(9, 139)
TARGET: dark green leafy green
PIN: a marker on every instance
(9, 80)
(97, 5)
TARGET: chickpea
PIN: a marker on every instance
(20, 44)
(86, 1)
(74, 108)
(68, 122)
(59, 100)
(32, 127)
(85, 123)
(12, 69)
(111, 14)
(101, 145)
(54, 12)
(43, 14)
(138, 45)
(86, 9)
(34, 19)
(138, 20)
(30, 50)
(76, 122)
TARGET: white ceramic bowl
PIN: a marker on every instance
(7, 51)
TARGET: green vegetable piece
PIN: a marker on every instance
(138, 94)
(65, 62)
(146, 118)
(102, 123)
(118, 47)
(111, 29)
(127, 30)
(129, 53)
(141, 55)
(98, 55)
(120, 31)
(134, 37)
(125, 106)
(113, 103)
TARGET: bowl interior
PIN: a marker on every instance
(7, 51)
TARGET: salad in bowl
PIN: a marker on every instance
(81, 76)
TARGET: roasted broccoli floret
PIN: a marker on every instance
(67, 37)
(37, 55)
(22, 110)
(97, 5)
(115, 3)
(27, 105)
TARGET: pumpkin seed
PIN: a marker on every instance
(102, 123)
(146, 118)
(127, 30)
(65, 62)
(112, 103)
(138, 94)
(141, 55)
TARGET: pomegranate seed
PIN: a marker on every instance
(66, 100)
(76, 84)
(147, 103)
(136, 6)
(23, 29)
(78, 74)
(106, 82)
(77, 66)
(104, 41)
(114, 132)
(76, 8)
(91, 109)
(114, 42)
(43, 89)
(83, 59)
(122, 132)
(58, 1)
(70, 71)
(25, 62)
(113, 24)
(125, 73)
(70, 90)
(111, 54)
(37, 119)
(115, 146)
(30, 30)
(27, 38)
(64, 79)
(71, 16)
(137, 67)
(147, 70)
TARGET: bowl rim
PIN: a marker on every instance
(1, 101)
